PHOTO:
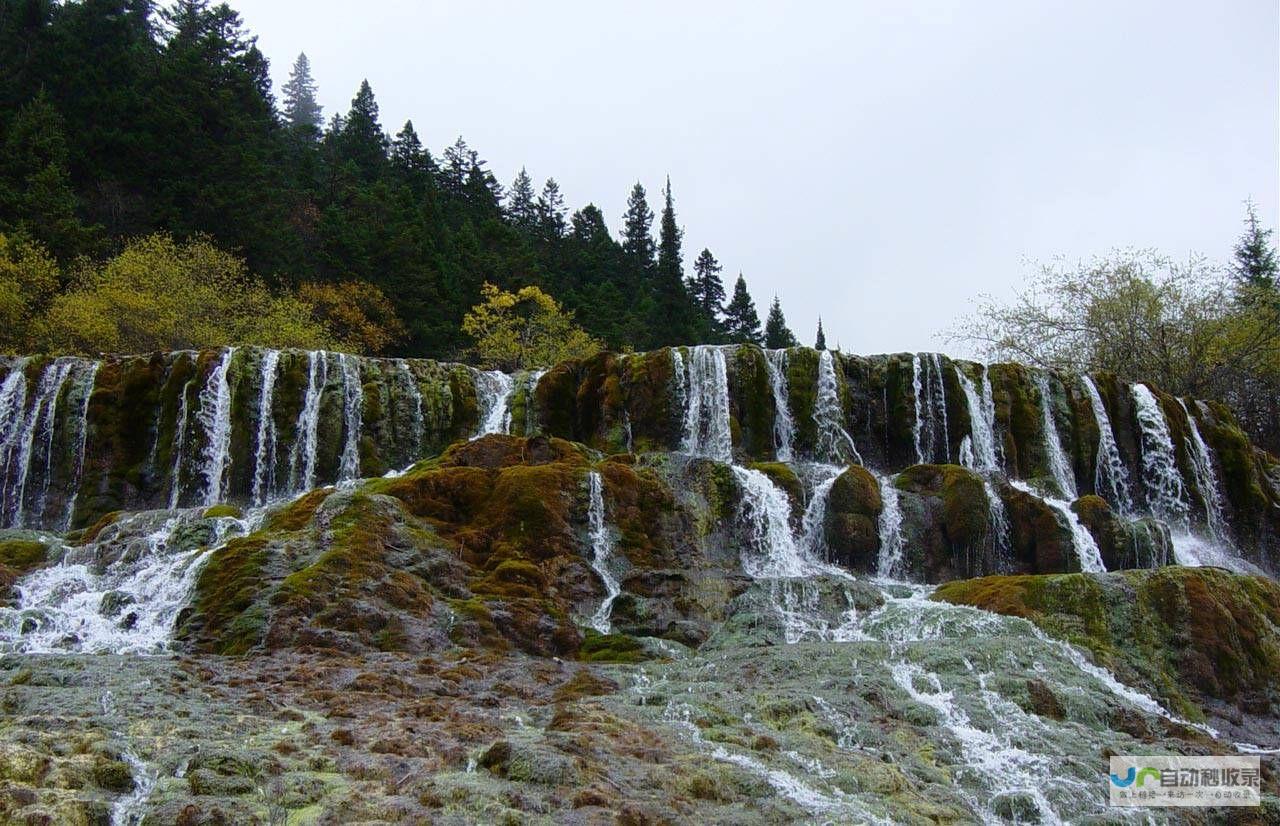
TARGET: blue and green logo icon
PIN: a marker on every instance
(1136, 775)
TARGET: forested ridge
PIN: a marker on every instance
(124, 118)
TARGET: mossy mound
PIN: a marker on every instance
(485, 546)
(17, 558)
(1195, 637)
(852, 531)
(946, 522)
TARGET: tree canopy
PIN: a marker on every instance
(524, 329)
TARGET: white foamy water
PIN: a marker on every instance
(1166, 495)
(493, 392)
(601, 553)
(784, 427)
(214, 415)
(1059, 463)
(1111, 477)
(126, 606)
(264, 457)
(835, 445)
(706, 409)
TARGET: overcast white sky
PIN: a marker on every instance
(878, 163)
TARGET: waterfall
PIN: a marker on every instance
(706, 415)
(784, 427)
(680, 382)
(890, 564)
(982, 439)
(493, 393)
(978, 453)
(39, 418)
(1059, 464)
(352, 417)
(1206, 481)
(930, 424)
(302, 455)
(418, 428)
(264, 458)
(813, 528)
(128, 605)
(81, 439)
(1109, 472)
(1166, 495)
(1086, 548)
(834, 443)
(766, 512)
(530, 389)
(214, 415)
(179, 445)
(917, 393)
(601, 552)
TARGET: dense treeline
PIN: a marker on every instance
(119, 118)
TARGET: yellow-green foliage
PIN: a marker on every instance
(164, 294)
(524, 329)
(28, 281)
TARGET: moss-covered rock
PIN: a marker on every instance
(852, 528)
(1196, 637)
(18, 557)
(946, 522)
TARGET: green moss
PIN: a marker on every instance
(297, 514)
(802, 390)
(852, 526)
(22, 554)
(221, 620)
(611, 648)
(219, 511)
(784, 477)
(1183, 633)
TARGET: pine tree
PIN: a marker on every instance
(777, 335)
(706, 291)
(301, 110)
(550, 209)
(637, 241)
(821, 343)
(741, 323)
(520, 202)
(363, 142)
(1255, 266)
(673, 312)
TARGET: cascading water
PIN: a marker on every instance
(302, 456)
(528, 426)
(1166, 495)
(1087, 552)
(601, 553)
(891, 563)
(1059, 464)
(39, 418)
(493, 392)
(784, 427)
(982, 438)
(1206, 480)
(180, 444)
(834, 443)
(214, 416)
(352, 418)
(930, 430)
(706, 415)
(126, 605)
(81, 438)
(978, 452)
(264, 458)
(766, 513)
(417, 427)
(1110, 473)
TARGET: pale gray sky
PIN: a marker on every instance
(878, 163)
